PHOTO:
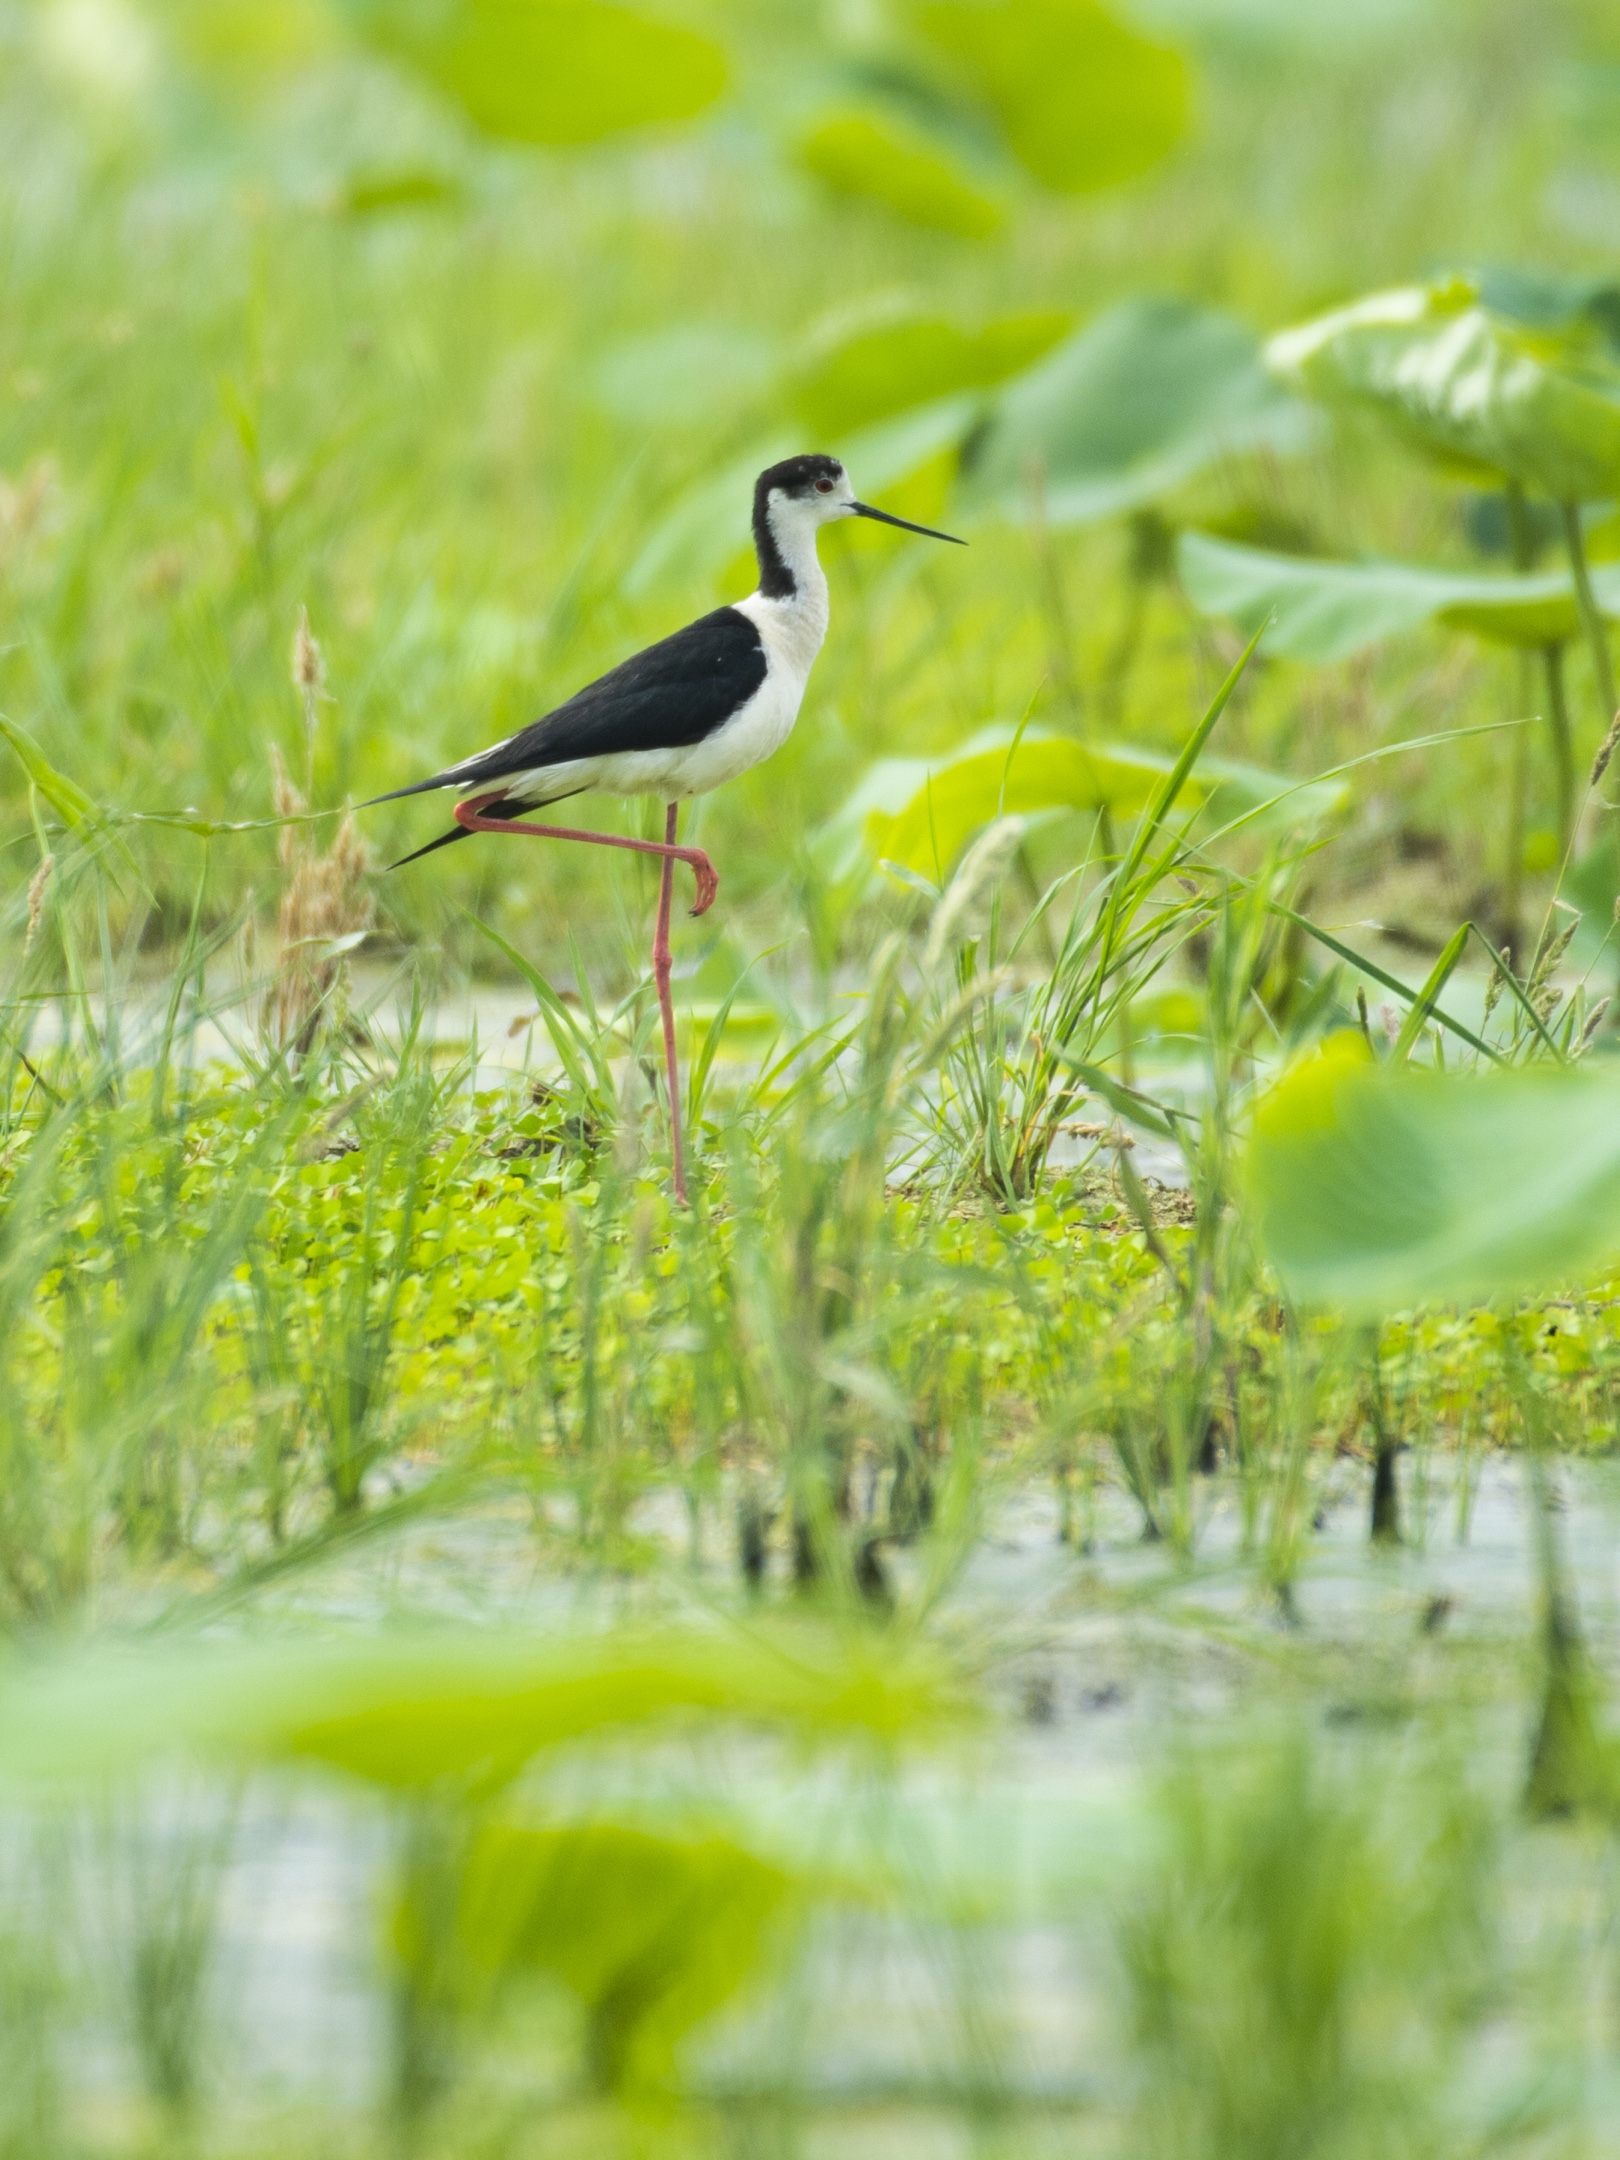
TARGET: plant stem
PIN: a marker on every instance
(1567, 1774)
(1524, 555)
(1597, 636)
(1060, 638)
(1385, 1526)
(1513, 869)
(1563, 743)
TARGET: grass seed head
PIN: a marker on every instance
(1606, 749)
(24, 501)
(1498, 981)
(1551, 955)
(308, 667)
(36, 898)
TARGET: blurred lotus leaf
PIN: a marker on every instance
(257, 35)
(1084, 102)
(1375, 1187)
(1486, 394)
(919, 814)
(874, 155)
(1323, 611)
(556, 72)
(1132, 406)
(871, 370)
(651, 1933)
(1553, 300)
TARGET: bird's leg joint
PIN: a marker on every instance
(469, 815)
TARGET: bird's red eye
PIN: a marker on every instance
(824, 487)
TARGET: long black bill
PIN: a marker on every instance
(905, 524)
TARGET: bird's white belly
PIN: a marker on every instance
(753, 733)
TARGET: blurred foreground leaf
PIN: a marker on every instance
(556, 72)
(1322, 611)
(1375, 1188)
(1132, 406)
(651, 1933)
(415, 1708)
(1485, 393)
(1084, 101)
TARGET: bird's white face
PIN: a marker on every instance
(807, 508)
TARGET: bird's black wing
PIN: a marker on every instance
(666, 698)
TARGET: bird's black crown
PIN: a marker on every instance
(795, 476)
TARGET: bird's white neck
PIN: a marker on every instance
(792, 583)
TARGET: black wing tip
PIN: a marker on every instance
(456, 832)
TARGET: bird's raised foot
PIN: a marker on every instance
(706, 876)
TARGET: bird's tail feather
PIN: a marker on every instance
(417, 787)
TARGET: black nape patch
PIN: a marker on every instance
(793, 476)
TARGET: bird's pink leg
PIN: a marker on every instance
(662, 964)
(708, 884)
(703, 871)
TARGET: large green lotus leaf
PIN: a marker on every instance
(1376, 1187)
(411, 1708)
(1131, 407)
(877, 368)
(1489, 394)
(990, 779)
(1084, 101)
(1323, 611)
(921, 814)
(558, 72)
(872, 155)
(707, 526)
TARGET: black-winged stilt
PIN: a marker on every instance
(690, 712)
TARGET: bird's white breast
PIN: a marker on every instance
(791, 631)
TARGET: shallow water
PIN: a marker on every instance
(1012, 1842)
